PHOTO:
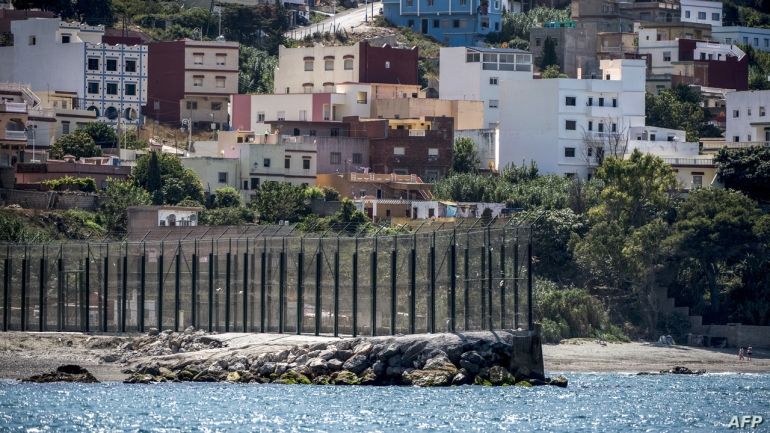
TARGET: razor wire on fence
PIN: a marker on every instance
(438, 277)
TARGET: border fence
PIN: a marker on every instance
(438, 278)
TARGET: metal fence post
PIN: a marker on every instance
(529, 281)
(245, 306)
(318, 259)
(432, 266)
(337, 290)
(177, 288)
(194, 287)
(159, 312)
(281, 288)
(412, 289)
(142, 291)
(6, 286)
(41, 295)
(24, 293)
(393, 303)
(489, 294)
(227, 289)
(211, 291)
(355, 291)
(466, 295)
(88, 289)
(300, 300)
(483, 252)
(124, 293)
(105, 305)
(263, 293)
(373, 260)
(453, 285)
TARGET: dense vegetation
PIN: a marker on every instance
(680, 108)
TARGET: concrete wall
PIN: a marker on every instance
(49, 200)
(321, 207)
(743, 35)
(487, 145)
(711, 9)
(467, 114)
(739, 120)
(346, 147)
(208, 170)
(575, 45)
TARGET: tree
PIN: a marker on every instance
(278, 201)
(103, 134)
(78, 144)
(330, 194)
(176, 183)
(95, 12)
(227, 197)
(349, 214)
(122, 194)
(256, 71)
(637, 190)
(547, 56)
(227, 216)
(611, 140)
(716, 227)
(746, 170)
(153, 174)
(465, 157)
(552, 72)
(278, 27)
(680, 108)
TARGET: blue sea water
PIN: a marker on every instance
(592, 402)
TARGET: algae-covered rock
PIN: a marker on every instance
(346, 378)
(206, 376)
(423, 378)
(499, 375)
(523, 383)
(185, 375)
(481, 381)
(291, 377)
(140, 378)
(246, 377)
(321, 380)
(559, 381)
(233, 377)
(368, 377)
(356, 364)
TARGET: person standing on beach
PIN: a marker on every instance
(740, 355)
(748, 352)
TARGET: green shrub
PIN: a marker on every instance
(86, 184)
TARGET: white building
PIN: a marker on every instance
(747, 119)
(548, 120)
(702, 12)
(53, 55)
(476, 74)
(663, 52)
(759, 39)
(487, 143)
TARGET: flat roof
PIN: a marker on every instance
(498, 50)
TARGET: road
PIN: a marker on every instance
(347, 19)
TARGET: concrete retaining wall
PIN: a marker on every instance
(49, 200)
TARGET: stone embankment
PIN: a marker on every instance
(65, 373)
(500, 358)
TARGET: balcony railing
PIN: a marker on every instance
(688, 161)
(610, 49)
(42, 112)
(16, 135)
(734, 144)
(417, 133)
(15, 107)
(373, 177)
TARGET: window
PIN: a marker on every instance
(348, 64)
(463, 2)
(652, 137)
(130, 65)
(455, 24)
(745, 40)
(697, 181)
(433, 153)
(570, 125)
(614, 103)
(112, 88)
(748, 138)
(767, 43)
(254, 182)
(220, 83)
(715, 16)
(261, 116)
(736, 114)
(614, 127)
(569, 152)
(432, 177)
(398, 151)
(357, 158)
(590, 102)
(329, 65)
(601, 102)
(471, 57)
(32, 40)
(590, 151)
(312, 133)
(410, 24)
(198, 82)
(266, 163)
(281, 115)
(65, 128)
(335, 158)
(326, 111)
(287, 162)
(590, 125)
(748, 111)
(216, 106)
(430, 2)
(728, 41)
(93, 88)
(736, 138)
(306, 164)
(112, 65)
(756, 42)
(93, 64)
(537, 42)
(761, 111)
(308, 66)
(222, 177)
(387, 65)
(701, 15)
(485, 23)
(192, 105)
(493, 103)
(362, 97)
(570, 101)
(409, 3)
(687, 14)
(221, 59)
(436, 24)
(156, 105)
(493, 81)
(65, 39)
(130, 89)
(198, 59)
(601, 126)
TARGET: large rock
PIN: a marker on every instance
(356, 364)
(318, 366)
(294, 378)
(390, 351)
(424, 378)
(559, 381)
(473, 357)
(522, 373)
(267, 369)
(343, 354)
(471, 367)
(327, 354)
(65, 373)
(346, 378)
(368, 377)
(410, 354)
(379, 368)
(500, 376)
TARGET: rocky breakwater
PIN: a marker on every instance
(482, 358)
(65, 373)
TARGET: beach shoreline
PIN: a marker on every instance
(23, 354)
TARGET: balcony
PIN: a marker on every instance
(689, 161)
(43, 112)
(716, 145)
(16, 135)
(384, 178)
(15, 107)
(610, 49)
(417, 133)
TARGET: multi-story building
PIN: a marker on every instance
(318, 68)
(110, 80)
(747, 117)
(757, 38)
(702, 12)
(13, 137)
(567, 118)
(688, 61)
(575, 44)
(469, 73)
(192, 80)
(453, 22)
(58, 115)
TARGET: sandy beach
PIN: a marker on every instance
(23, 354)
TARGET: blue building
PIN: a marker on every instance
(453, 22)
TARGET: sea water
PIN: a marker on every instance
(592, 402)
